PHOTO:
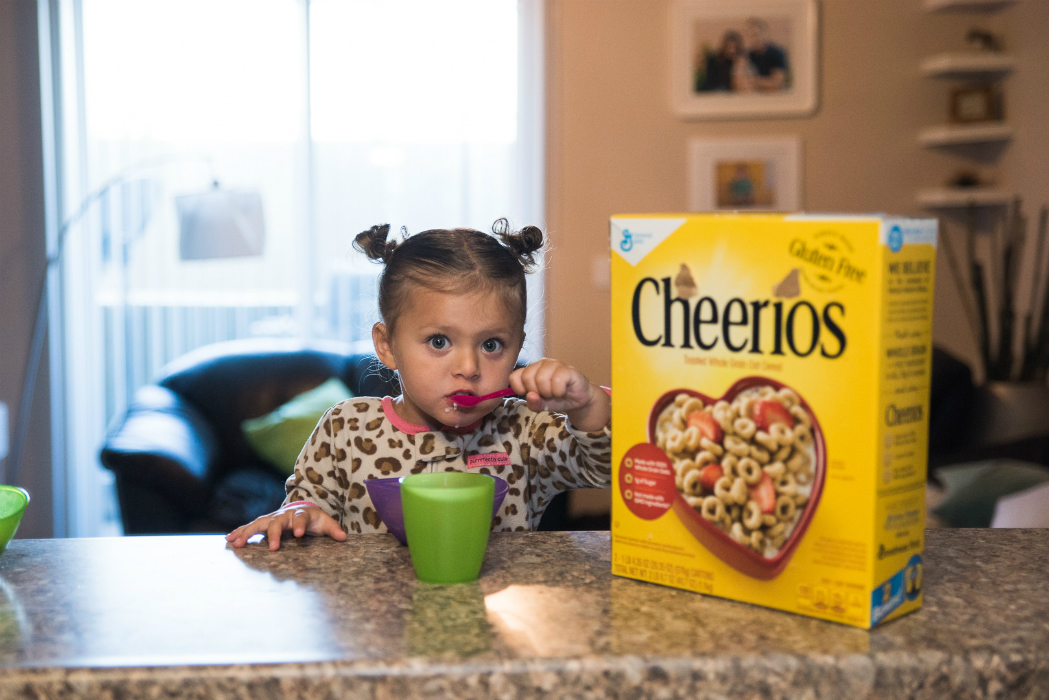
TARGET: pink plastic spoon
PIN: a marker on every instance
(467, 401)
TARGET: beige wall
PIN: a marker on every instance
(22, 248)
(614, 146)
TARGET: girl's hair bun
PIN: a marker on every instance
(373, 243)
(523, 244)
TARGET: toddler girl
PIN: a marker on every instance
(452, 304)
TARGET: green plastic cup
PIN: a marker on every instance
(447, 517)
(13, 501)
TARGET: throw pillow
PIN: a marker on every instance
(973, 489)
(278, 436)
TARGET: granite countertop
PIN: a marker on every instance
(189, 617)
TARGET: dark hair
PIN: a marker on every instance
(447, 260)
(735, 37)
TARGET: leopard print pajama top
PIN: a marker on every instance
(538, 454)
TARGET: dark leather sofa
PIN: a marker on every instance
(179, 457)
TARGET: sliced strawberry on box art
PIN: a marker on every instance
(708, 427)
(767, 413)
(764, 494)
(709, 476)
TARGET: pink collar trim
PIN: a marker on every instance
(413, 428)
(398, 422)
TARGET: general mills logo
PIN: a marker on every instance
(628, 241)
(633, 238)
(895, 239)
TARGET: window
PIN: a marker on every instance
(338, 114)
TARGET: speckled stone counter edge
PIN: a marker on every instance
(875, 676)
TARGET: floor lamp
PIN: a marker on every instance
(215, 224)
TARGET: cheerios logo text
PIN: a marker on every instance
(756, 326)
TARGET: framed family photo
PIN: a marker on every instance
(757, 174)
(744, 58)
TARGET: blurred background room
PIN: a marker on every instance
(181, 180)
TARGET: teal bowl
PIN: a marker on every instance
(13, 501)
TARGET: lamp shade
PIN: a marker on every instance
(220, 224)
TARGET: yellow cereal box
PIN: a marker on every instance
(770, 422)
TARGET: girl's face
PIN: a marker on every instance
(449, 343)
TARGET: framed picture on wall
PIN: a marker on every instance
(744, 58)
(755, 174)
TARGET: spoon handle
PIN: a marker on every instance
(465, 400)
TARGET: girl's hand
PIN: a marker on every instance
(551, 385)
(300, 519)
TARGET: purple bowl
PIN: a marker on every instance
(386, 497)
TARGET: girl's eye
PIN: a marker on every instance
(438, 342)
(491, 345)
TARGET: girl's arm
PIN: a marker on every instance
(308, 507)
(567, 451)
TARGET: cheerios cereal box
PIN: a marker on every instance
(770, 423)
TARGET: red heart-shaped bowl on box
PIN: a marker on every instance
(770, 562)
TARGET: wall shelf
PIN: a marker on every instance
(967, 66)
(961, 134)
(967, 5)
(988, 137)
(958, 197)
